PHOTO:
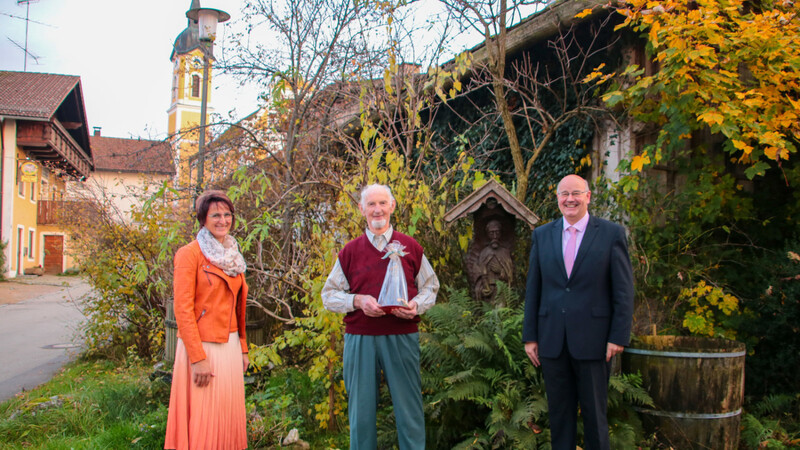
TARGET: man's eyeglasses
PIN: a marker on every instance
(217, 216)
(566, 194)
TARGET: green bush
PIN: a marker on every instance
(129, 266)
(773, 422)
(770, 327)
(282, 400)
(480, 389)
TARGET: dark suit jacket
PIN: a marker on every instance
(592, 307)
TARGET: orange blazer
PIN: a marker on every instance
(205, 302)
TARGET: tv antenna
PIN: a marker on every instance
(27, 21)
(27, 53)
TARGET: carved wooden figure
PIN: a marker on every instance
(489, 257)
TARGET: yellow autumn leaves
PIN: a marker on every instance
(724, 66)
(705, 302)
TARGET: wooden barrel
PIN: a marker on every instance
(255, 328)
(255, 324)
(697, 386)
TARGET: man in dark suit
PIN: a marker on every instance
(578, 313)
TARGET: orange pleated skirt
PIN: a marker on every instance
(211, 417)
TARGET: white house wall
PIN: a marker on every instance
(124, 190)
(612, 144)
(9, 191)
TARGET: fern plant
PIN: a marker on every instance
(772, 422)
(624, 425)
(482, 392)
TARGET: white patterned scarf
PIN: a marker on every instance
(224, 255)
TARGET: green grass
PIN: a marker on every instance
(102, 404)
(99, 405)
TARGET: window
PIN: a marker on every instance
(21, 189)
(195, 86)
(31, 237)
(33, 191)
(45, 195)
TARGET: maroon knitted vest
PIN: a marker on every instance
(365, 269)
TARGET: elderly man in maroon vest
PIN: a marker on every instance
(381, 340)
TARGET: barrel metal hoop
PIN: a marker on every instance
(639, 351)
(685, 415)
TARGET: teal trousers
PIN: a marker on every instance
(397, 357)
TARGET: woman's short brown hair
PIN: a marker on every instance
(203, 204)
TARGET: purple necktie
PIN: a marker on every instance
(569, 253)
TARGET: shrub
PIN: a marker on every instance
(282, 402)
(771, 324)
(481, 391)
(773, 422)
(128, 265)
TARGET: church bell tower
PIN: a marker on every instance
(185, 101)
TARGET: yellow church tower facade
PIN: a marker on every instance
(186, 101)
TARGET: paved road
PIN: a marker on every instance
(37, 332)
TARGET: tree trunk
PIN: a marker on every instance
(497, 50)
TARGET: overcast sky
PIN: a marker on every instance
(121, 55)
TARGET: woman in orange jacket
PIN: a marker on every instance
(206, 405)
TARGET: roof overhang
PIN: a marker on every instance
(492, 190)
(50, 143)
